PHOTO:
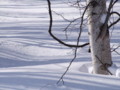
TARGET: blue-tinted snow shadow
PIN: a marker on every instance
(42, 80)
(6, 62)
(30, 35)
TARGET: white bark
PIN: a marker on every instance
(100, 44)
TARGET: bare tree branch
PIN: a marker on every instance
(54, 37)
(109, 13)
(115, 22)
(115, 50)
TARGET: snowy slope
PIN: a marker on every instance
(31, 60)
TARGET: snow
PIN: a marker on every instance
(31, 60)
(103, 18)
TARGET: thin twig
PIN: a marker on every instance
(75, 54)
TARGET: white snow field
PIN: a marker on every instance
(31, 60)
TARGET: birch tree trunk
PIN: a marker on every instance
(99, 36)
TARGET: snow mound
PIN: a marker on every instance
(86, 68)
(115, 70)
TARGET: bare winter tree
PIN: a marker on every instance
(98, 23)
(99, 38)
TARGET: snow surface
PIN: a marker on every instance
(103, 18)
(31, 60)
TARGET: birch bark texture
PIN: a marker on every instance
(99, 36)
